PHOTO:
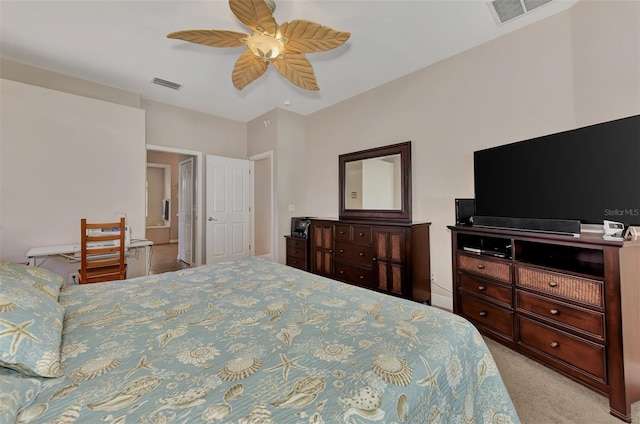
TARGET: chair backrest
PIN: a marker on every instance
(102, 251)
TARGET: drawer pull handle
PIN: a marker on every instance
(482, 288)
(341, 232)
(361, 234)
(554, 312)
(341, 271)
(361, 253)
(362, 277)
(483, 313)
(374, 259)
(480, 266)
(554, 344)
(341, 250)
(553, 284)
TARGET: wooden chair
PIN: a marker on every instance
(102, 256)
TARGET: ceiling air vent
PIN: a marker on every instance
(506, 10)
(165, 83)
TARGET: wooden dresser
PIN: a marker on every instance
(392, 258)
(570, 303)
(298, 252)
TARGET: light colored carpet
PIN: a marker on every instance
(543, 396)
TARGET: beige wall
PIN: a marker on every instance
(262, 139)
(538, 80)
(285, 136)
(42, 78)
(55, 171)
(166, 125)
(291, 186)
(262, 207)
(606, 51)
(171, 126)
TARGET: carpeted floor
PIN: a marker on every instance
(543, 396)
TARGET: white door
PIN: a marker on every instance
(185, 212)
(229, 190)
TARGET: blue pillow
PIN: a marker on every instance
(30, 329)
(16, 394)
(41, 279)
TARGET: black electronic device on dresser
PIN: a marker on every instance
(300, 227)
(465, 209)
(298, 243)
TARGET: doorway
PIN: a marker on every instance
(189, 233)
(186, 211)
(264, 214)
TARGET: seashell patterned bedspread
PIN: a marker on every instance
(257, 342)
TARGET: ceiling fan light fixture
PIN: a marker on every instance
(265, 47)
(267, 43)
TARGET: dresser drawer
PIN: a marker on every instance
(572, 350)
(354, 253)
(343, 232)
(491, 316)
(580, 319)
(354, 233)
(486, 267)
(296, 253)
(297, 263)
(297, 243)
(361, 234)
(567, 286)
(486, 288)
(354, 274)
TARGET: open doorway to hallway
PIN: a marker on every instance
(264, 214)
(169, 206)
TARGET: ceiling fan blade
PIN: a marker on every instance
(308, 37)
(211, 37)
(297, 69)
(247, 69)
(255, 14)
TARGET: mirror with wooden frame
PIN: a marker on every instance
(376, 183)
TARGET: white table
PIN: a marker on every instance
(71, 252)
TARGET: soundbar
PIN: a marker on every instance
(553, 226)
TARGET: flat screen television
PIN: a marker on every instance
(589, 175)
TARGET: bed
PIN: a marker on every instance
(250, 341)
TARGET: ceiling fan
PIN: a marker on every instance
(283, 45)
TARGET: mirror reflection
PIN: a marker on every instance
(374, 183)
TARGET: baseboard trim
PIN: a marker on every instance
(442, 302)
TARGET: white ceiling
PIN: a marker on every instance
(123, 44)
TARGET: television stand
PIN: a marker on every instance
(570, 303)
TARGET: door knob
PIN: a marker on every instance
(211, 219)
